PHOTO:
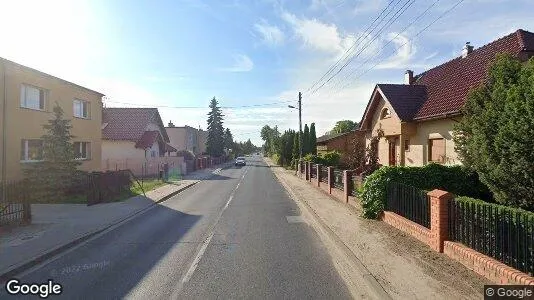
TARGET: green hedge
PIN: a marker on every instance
(330, 158)
(454, 179)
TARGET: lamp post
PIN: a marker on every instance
(300, 124)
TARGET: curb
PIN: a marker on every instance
(55, 251)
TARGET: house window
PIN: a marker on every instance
(81, 108)
(385, 113)
(406, 145)
(436, 150)
(153, 153)
(82, 150)
(31, 150)
(32, 97)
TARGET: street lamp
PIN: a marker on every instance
(300, 125)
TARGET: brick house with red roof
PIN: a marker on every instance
(417, 117)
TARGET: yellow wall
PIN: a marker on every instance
(23, 123)
(120, 150)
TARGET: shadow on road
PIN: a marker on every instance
(113, 264)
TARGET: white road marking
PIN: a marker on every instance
(205, 244)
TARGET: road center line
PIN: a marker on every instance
(200, 254)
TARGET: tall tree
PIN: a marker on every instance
(228, 139)
(296, 149)
(344, 126)
(495, 137)
(312, 140)
(306, 140)
(58, 160)
(215, 142)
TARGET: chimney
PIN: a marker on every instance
(467, 49)
(170, 124)
(408, 77)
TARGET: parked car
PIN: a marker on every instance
(240, 161)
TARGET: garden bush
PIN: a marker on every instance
(330, 158)
(458, 180)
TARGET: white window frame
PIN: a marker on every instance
(24, 100)
(81, 102)
(26, 151)
(87, 150)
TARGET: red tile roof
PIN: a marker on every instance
(448, 84)
(130, 123)
(405, 99)
(147, 139)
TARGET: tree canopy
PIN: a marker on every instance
(495, 137)
(344, 126)
(215, 140)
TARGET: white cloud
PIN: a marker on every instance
(367, 6)
(270, 34)
(405, 51)
(242, 63)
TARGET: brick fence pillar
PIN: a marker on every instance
(319, 166)
(347, 184)
(330, 179)
(308, 171)
(439, 218)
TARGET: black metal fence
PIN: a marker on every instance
(409, 202)
(324, 174)
(338, 180)
(106, 186)
(497, 231)
(14, 205)
(313, 171)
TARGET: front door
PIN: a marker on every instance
(392, 153)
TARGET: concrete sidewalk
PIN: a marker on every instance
(404, 267)
(57, 227)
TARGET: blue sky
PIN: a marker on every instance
(245, 52)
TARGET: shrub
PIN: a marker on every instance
(458, 180)
(277, 159)
(330, 158)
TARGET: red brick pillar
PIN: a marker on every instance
(439, 218)
(347, 184)
(299, 167)
(308, 171)
(318, 174)
(330, 179)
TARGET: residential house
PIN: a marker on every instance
(133, 137)
(187, 138)
(417, 117)
(27, 99)
(341, 142)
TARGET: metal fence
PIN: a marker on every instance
(338, 180)
(313, 171)
(14, 205)
(106, 186)
(324, 174)
(409, 202)
(355, 182)
(497, 231)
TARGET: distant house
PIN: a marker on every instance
(133, 137)
(417, 117)
(341, 142)
(187, 138)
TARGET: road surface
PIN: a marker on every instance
(236, 235)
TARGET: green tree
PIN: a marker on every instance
(228, 139)
(495, 137)
(344, 126)
(58, 161)
(296, 149)
(312, 140)
(306, 140)
(215, 142)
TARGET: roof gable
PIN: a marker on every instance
(130, 123)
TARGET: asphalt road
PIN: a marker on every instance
(226, 237)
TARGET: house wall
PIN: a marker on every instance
(418, 149)
(121, 150)
(391, 127)
(202, 139)
(343, 144)
(177, 137)
(23, 123)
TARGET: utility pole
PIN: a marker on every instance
(300, 127)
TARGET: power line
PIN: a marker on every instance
(346, 54)
(337, 84)
(203, 107)
(391, 21)
(416, 35)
